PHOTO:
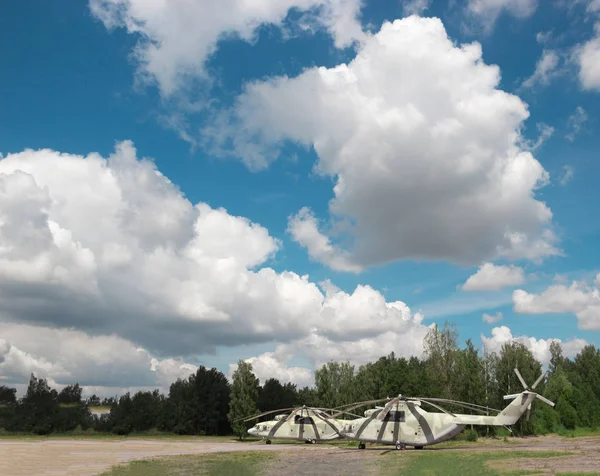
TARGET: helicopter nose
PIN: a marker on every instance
(252, 431)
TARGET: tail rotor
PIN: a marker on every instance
(528, 390)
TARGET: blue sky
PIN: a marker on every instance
(71, 83)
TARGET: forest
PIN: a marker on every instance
(206, 403)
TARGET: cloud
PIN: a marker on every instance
(546, 69)
(318, 349)
(567, 175)
(490, 277)
(270, 365)
(305, 230)
(176, 38)
(540, 348)
(65, 356)
(579, 298)
(575, 122)
(423, 147)
(588, 57)
(491, 319)
(543, 37)
(545, 132)
(488, 11)
(425, 168)
(415, 7)
(113, 251)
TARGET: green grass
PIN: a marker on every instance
(577, 474)
(579, 432)
(445, 463)
(222, 464)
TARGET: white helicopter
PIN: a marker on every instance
(402, 422)
(310, 424)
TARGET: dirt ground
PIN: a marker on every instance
(92, 457)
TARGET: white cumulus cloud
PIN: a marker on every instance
(270, 365)
(579, 298)
(540, 348)
(176, 37)
(66, 356)
(588, 57)
(492, 277)
(113, 251)
(423, 147)
(304, 228)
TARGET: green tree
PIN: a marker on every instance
(516, 355)
(7, 395)
(69, 395)
(440, 347)
(274, 395)
(38, 409)
(243, 397)
(556, 357)
(469, 376)
(334, 384)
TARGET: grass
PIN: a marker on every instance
(579, 432)
(428, 463)
(222, 464)
(577, 474)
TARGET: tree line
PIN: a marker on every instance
(206, 403)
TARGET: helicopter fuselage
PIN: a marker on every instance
(406, 424)
(297, 427)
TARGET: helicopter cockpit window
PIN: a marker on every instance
(395, 416)
(303, 420)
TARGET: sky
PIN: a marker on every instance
(287, 182)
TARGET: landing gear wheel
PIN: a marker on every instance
(361, 446)
(400, 446)
(310, 442)
(268, 442)
(418, 447)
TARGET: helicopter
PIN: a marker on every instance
(403, 422)
(309, 424)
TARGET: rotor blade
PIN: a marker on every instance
(345, 412)
(470, 406)
(388, 406)
(510, 397)
(358, 405)
(544, 399)
(521, 378)
(540, 378)
(439, 408)
(264, 413)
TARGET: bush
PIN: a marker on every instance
(471, 435)
(78, 430)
